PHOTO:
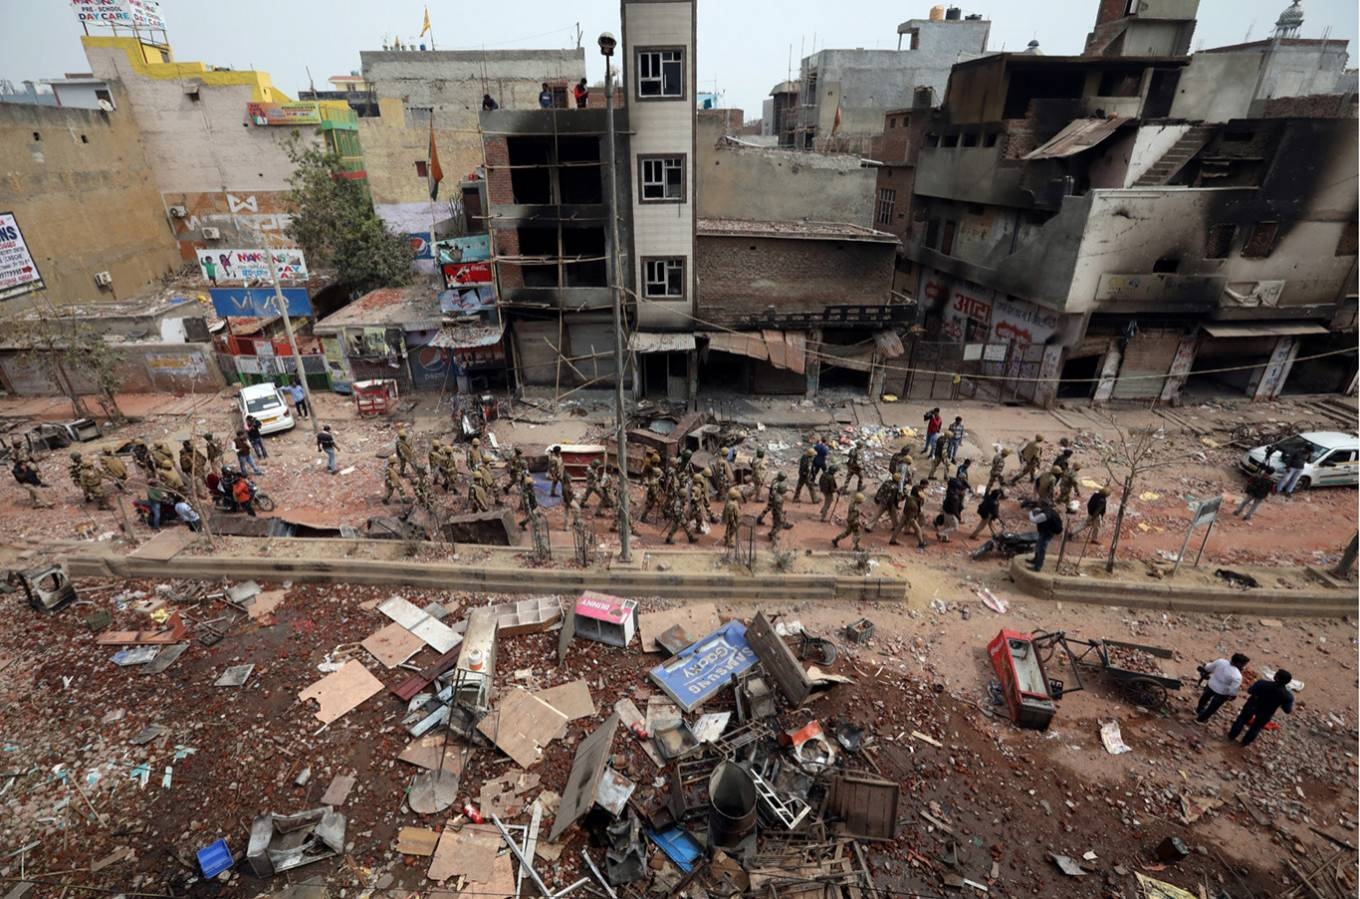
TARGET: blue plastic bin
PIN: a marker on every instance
(214, 859)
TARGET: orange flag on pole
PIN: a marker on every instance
(433, 172)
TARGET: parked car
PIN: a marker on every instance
(1333, 458)
(266, 403)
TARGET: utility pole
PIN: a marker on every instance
(607, 45)
(282, 305)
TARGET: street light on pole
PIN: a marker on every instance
(607, 45)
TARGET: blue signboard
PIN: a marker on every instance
(258, 302)
(420, 244)
(702, 669)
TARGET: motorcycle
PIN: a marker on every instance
(223, 500)
(1009, 544)
(143, 509)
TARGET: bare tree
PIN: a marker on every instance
(1131, 453)
(74, 354)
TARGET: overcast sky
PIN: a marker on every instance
(744, 46)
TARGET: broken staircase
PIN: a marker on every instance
(1175, 158)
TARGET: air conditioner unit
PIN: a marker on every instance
(178, 212)
(212, 234)
(103, 279)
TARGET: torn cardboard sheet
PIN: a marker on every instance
(696, 619)
(410, 617)
(393, 645)
(340, 692)
(521, 725)
(571, 699)
(430, 752)
(263, 605)
(1113, 739)
(338, 791)
(504, 796)
(416, 841)
(470, 851)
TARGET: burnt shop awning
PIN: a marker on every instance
(466, 337)
(1264, 329)
(660, 342)
(782, 349)
(1079, 135)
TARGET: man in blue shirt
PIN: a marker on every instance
(819, 461)
(545, 97)
(299, 395)
(1264, 699)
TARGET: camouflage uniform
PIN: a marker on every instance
(213, 450)
(114, 468)
(886, 499)
(911, 519)
(1067, 484)
(854, 467)
(92, 485)
(653, 500)
(392, 479)
(731, 517)
(703, 510)
(1029, 456)
(853, 525)
(681, 514)
(827, 485)
(556, 469)
(1047, 483)
(805, 475)
(528, 500)
(758, 467)
(994, 474)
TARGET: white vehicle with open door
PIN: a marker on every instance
(1333, 459)
(267, 403)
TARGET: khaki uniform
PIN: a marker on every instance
(804, 477)
(911, 519)
(854, 468)
(1029, 458)
(168, 478)
(853, 523)
(568, 495)
(474, 456)
(1067, 486)
(723, 476)
(681, 514)
(214, 451)
(392, 481)
(517, 470)
(827, 485)
(92, 485)
(731, 518)
(195, 467)
(478, 498)
(995, 471)
(758, 469)
(886, 499)
(608, 492)
(703, 510)
(555, 471)
(1047, 483)
(406, 454)
(114, 468)
(528, 501)
(653, 498)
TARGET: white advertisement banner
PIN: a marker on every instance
(222, 266)
(128, 13)
(18, 272)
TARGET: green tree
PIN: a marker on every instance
(335, 225)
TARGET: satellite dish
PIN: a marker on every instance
(106, 105)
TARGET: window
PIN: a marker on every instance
(37, 135)
(883, 213)
(663, 179)
(422, 168)
(663, 279)
(84, 139)
(933, 234)
(104, 95)
(1261, 241)
(989, 140)
(1220, 241)
(950, 140)
(1346, 244)
(947, 241)
(661, 73)
(1167, 265)
(970, 138)
(932, 139)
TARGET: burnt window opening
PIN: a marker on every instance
(883, 213)
(892, 122)
(579, 175)
(947, 240)
(540, 243)
(422, 168)
(530, 177)
(1261, 240)
(1346, 244)
(1220, 241)
(663, 279)
(1041, 84)
(932, 139)
(587, 245)
(933, 234)
(950, 140)
(1167, 265)
(989, 139)
(970, 139)
(1120, 83)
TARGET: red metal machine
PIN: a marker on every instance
(374, 397)
(1023, 681)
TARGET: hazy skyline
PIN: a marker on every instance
(743, 50)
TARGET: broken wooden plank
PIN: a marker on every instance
(521, 726)
(571, 699)
(392, 645)
(340, 692)
(417, 682)
(778, 660)
(416, 841)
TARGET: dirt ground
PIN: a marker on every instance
(1008, 797)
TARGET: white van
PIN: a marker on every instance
(266, 402)
(1333, 459)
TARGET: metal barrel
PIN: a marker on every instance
(732, 805)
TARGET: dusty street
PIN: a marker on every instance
(983, 801)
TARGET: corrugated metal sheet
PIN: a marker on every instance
(1147, 360)
(459, 337)
(1263, 329)
(752, 345)
(1082, 134)
(534, 353)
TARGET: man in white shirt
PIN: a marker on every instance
(194, 522)
(1225, 678)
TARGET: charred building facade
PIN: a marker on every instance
(1076, 234)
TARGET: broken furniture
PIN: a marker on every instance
(866, 806)
(755, 699)
(605, 619)
(586, 777)
(776, 658)
(376, 397)
(475, 673)
(48, 589)
(859, 632)
(282, 842)
(1015, 658)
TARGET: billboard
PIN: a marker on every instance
(18, 272)
(258, 302)
(700, 670)
(473, 248)
(128, 13)
(250, 265)
(458, 274)
(269, 114)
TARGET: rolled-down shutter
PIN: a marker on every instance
(1147, 359)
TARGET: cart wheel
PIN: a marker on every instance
(1146, 692)
(1044, 651)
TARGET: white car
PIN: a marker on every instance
(1333, 459)
(266, 402)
